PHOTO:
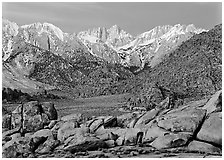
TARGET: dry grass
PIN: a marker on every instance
(96, 106)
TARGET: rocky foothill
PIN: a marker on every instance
(34, 129)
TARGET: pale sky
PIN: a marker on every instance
(133, 17)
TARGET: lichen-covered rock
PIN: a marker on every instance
(39, 138)
(66, 130)
(203, 147)
(16, 119)
(48, 146)
(182, 120)
(32, 108)
(32, 124)
(6, 121)
(50, 110)
(211, 130)
(30, 117)
(16, 147)
(171, 140)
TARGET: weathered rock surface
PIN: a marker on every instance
(152, 131)
(34, 123)
(182, 120)
(83, 142)
(66, 130)
(211, 130)
(171, 140)
(15, 136)
(30, 117)
(46, 133)
(50, 110)
(146, 118)
(52, 124)
(96, 124)
(203, 147)
(110, 121)
(110, 143)
(16, 148)
(17, 117)
(6, 121)
(48, 146)
(215, 103)
(124, 120)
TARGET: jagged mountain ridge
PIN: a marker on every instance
(45, 36)
(31, 67)
(151, 47)
(25, 47)
(114, 37)
(103, 42)
(147, 48)
(113, 45)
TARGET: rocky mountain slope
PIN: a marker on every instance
(193, 70)
(38, 53)
(102, 61)
(103, 42)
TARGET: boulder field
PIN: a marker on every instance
(33, 129)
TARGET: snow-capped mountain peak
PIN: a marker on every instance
(113, 37)
(45, 27)
(113, 44)
(10, 28)
(151, 46)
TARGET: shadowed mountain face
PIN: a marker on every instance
(46, 70)
(195, 67)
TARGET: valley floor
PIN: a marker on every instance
(95, 106)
